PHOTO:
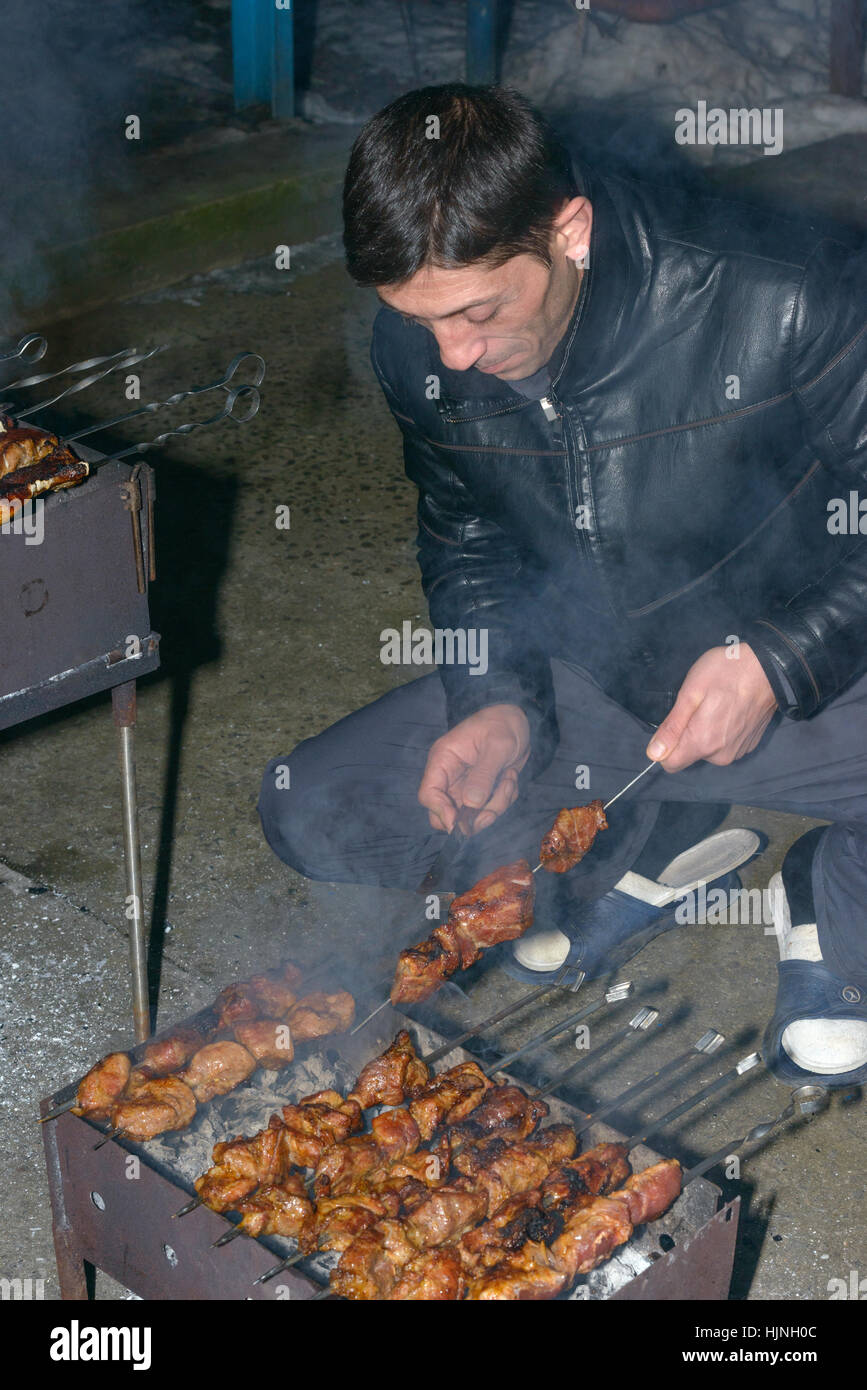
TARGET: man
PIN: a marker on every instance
(633, 417)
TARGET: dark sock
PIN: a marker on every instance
(798, 876)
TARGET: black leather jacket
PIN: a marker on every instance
(704, 501)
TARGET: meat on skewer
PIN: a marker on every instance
(571, 836)
(268, 1040)
(152, 1106)
(497, 908)
(393, 1077)
(312, 1126)
(371, 1266)
(317, 1015)
(589, 1236)
(102, 1087)
(163, 1056)
(216, 1069)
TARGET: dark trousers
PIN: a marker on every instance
(347, 811)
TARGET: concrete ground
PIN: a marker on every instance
(267, 636)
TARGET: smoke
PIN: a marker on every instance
(74, 73)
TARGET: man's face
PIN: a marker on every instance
(506, 321)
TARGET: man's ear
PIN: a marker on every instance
(572, 227)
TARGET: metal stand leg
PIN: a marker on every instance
(123, 700)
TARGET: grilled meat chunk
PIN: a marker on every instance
(240, 1165)
(370, 1267)
(154, 1106)
(451, 1096)
(102, 1087)
(267, 1040)
(389, 1079)
(497, 908)
(217, 1069)
(316, 1123)
(317, 1015)
(571, 836)
(166, 1055)
(277, 1209)
(433, 1276)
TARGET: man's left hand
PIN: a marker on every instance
(721, 711)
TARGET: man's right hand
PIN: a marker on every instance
(476, 765)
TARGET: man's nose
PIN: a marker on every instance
(460, 346)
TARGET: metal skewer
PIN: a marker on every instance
(176, 399)
(60, 1110)
(228, 1236)
(130, 357)
(617, 795)
(379, 1008)
(191, 1206)
(34, 340)
(248, 394)
(810, 1100)
(557, 983)
(640, 1023)
(706, 1045)
(112, 1134)
(289, 1261)
(744, 1065)
(614, 995)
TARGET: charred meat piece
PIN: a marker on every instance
(519, 1219)
(449, 1097)
(434, 1276)
(217, 1069)
(166, 1055)
(505, 1111)
(240, 1165)
(58, 469)
(155, 1106)
(595, 1172)
(571, 836)
(341, 1168)
(317, 1015)
(277, 1209)
(393, 1077)
(268, 1040)
(102, 1087)
(237, 1004)
(589, 1236)
(512, 1168)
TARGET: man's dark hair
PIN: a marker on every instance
(482, 182)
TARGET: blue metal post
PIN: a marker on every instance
(283, 66)
(481, 41)
(252, 42)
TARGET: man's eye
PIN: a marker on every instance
(487, 318)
